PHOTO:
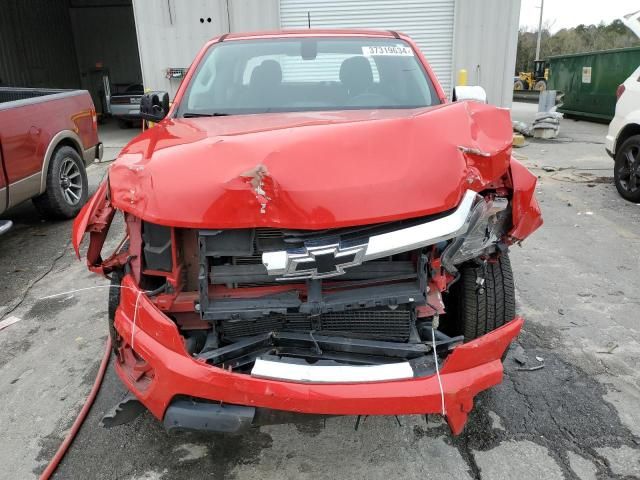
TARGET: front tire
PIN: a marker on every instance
(626, 173)
(475, 308)
(67, 186)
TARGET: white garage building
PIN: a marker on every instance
(76, 43)
(479, 36)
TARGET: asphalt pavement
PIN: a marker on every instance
(578, 417)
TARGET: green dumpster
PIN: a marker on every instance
(589, 80)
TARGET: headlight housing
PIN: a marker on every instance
(487, 223)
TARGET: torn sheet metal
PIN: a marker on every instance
(526, 213)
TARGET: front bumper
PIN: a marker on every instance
(615, 127)
(609, 145)
(161, 369)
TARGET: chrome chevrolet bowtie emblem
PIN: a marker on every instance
(315, 262)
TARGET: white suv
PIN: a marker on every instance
(623, 139)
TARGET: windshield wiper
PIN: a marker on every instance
(214, 114)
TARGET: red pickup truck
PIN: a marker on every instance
(47, 138)
(311, 227)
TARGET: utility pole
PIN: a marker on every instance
(539, 31)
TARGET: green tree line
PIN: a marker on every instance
(583, 38)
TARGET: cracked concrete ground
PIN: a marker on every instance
(577, 418)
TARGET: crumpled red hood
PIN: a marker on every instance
(310, 170)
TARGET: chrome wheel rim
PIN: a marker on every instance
(629, 169)
(70, 181)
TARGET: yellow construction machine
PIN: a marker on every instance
(536, 80)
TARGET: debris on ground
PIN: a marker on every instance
(8, 322)
(546, 125)
(530, 369)
(610, 350)
(547, 122)
(518, 140)
(522, 128)
(519, 355)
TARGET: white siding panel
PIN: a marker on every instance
(485, 45)
(429, 22)
(253, 15)
(170, 34)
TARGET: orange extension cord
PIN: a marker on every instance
(64, 446)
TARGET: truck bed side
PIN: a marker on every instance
(33, 123)
(4, 191)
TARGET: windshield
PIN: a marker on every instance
(287, 75)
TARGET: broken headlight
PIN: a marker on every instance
(487, 223)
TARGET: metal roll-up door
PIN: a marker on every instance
(429, 22)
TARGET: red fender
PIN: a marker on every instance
(526, 214)
(95, 218)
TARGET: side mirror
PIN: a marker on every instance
(464, 92)
(154, 106)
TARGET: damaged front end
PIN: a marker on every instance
(270, 319)
(331, 263)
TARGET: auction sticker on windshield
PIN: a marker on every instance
(395, 50)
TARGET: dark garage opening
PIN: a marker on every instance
(88, 44)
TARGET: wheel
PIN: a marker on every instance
(475, 308)
(519, 85)
(626, 173)
(113, 302)
(124, 124)
(67, 185)
(540, 86)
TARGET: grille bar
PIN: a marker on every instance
(368, 324)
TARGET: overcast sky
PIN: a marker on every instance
(569, 13)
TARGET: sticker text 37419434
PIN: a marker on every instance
(395, 50)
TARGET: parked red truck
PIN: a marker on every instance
(47, 139)
(311, 227)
